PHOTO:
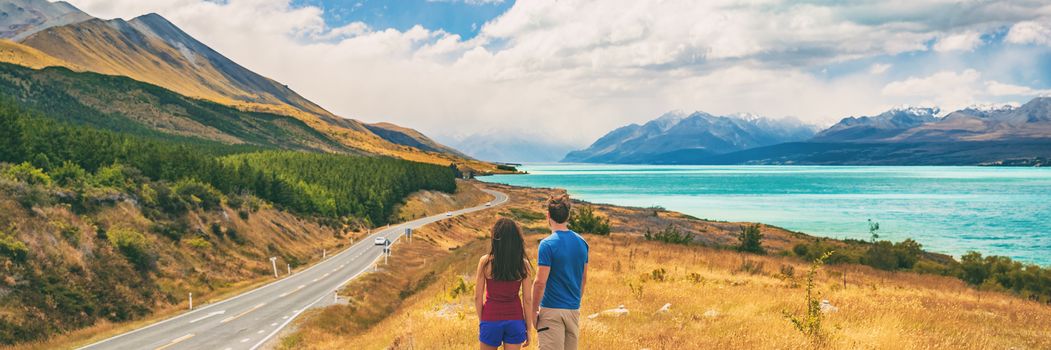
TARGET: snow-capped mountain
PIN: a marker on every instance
(676, 132)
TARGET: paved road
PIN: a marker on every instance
(249, 320)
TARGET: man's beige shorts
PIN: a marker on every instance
(563, 329)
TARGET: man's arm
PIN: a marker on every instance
(583, 281)
(538, 288)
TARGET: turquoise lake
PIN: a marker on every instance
(995, 211)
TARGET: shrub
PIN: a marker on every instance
(751, 267)
(750, 240)
(13, 249)
(809, 323)
(243, 214)
(198, 194)
(217, 230)
(889, 256)
(199, 243)
(112, 176)
(27, 173)
(585, 220)
(133, 245)
(670, 234)
(69, 174)
(526, 215)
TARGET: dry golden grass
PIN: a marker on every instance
(719, 299)
(15, 53)
(222, 270)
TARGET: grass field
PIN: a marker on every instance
(719, 298)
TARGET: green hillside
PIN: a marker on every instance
(105, 225)
(122, 104)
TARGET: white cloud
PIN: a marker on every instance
(600, 63)
(879, 68)
(966, 41)
(954, 90)
(1029, 33)
(996, 88)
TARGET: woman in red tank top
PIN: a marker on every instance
(501, 276)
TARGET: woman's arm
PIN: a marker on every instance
(479, 285)
(527, 296)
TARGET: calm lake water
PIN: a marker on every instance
(999, 211)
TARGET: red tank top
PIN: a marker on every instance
(501, 301)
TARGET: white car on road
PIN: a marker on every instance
(381, 241)
(449, 214)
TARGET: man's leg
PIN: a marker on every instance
(571, 320)
(550, 331)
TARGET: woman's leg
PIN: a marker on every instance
(485, 346)
(512, 346)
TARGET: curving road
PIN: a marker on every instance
(249, 320)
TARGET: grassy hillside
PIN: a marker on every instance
(100, 226)
(12, 52)
(720, 298)
(122, 104)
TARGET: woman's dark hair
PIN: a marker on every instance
(507, 252)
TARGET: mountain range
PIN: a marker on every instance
(698, 133)
(150, 49)
(997, 134)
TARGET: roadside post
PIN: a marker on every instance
(408, 232)
(191, 301)
(289, 267)
(273, 261)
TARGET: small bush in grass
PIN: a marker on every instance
(243, 214)
(637, 289)
(695, 277)
(69, 174)
(750, 240)
(199, 243)
(133, 245)
(526, 215)
(670, 234)
(461, 288)
(232, 234)
(12, 248)
(809, 323)
(659, 274)
(27, 173)
(751, 267)
(585, 220)
(217, 230)
(198, 194)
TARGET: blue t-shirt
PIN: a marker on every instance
(566, 253)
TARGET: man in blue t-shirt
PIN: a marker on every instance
(560, 280)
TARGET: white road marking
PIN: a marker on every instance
(245, 340)
(315, 280)
(231, 318)
(209, 315)
(259, 332)
(176, 341)
(285, 294)
(273, 324)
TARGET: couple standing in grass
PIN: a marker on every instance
(505, 318)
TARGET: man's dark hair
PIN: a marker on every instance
(558, 208)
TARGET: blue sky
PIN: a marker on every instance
(462, 17)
